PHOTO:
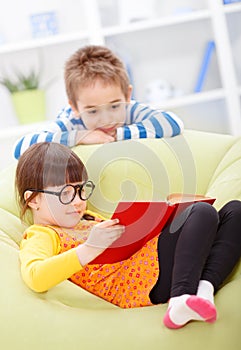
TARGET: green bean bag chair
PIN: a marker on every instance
(67, 317)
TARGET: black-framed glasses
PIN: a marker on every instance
(68, 192)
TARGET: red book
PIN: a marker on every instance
(143, 221)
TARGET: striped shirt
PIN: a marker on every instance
(141, 122)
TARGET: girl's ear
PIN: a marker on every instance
(129, 92)
(34, 202)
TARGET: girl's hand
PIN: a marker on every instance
(101, 236)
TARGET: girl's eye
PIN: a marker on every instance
(68, 191)
(65, 194)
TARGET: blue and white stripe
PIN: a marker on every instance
(141, 122)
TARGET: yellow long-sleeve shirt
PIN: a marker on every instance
(48, 256)
(42, 267)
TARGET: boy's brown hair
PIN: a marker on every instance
(46, 164)
(92, 63)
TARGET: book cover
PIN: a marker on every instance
(143, 221)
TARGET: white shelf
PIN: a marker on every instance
(108, 31)
(231, 8)
(156, 23)
(192, 99)
(42, 42)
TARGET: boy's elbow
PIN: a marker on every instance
(16, 155)
(178, 127)
(17, 149)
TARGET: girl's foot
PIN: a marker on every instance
(187, 308)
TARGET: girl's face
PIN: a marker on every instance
(48, 210)
(102, 107)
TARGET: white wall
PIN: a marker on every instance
(165, 55)
(15, 27)
(15, 22)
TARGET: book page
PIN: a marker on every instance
(185, 197)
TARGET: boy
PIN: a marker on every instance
(100, 109)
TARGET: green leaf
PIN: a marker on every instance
(23, 82)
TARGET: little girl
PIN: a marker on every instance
(184, 268)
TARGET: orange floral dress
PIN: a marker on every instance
(127, 283)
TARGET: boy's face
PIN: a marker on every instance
(102, 106)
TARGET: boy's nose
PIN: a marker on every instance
(106, 117)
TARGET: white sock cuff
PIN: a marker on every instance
(206, 285)
(206, 290)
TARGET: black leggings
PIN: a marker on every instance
(205, 245)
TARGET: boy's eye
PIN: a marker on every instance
(115, 105)
(91, 111)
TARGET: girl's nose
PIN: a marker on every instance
(77, 200)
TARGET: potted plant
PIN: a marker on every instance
(28, 99)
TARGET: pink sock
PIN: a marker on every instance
(185, 308)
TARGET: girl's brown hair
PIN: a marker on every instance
(92, 63)
(46, 164)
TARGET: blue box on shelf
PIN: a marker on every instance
(44, 24)
(230, 1)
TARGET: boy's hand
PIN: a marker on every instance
(87, 137)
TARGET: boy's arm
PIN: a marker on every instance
(144, 122)
(63, 130)
(42, 267)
